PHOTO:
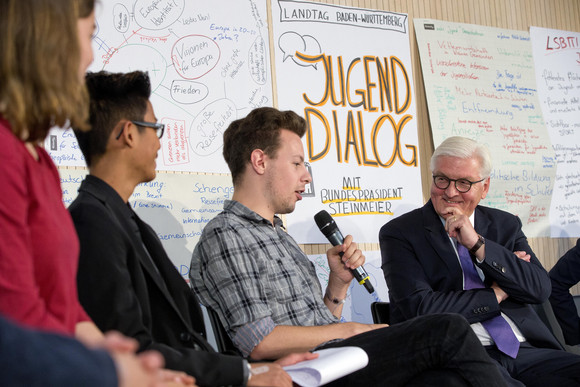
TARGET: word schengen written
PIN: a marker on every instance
(379, 88)
(352, 199)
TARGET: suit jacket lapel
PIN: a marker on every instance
(178, 294)
(119, 214)
(146, 263)
(158, 274)
(438, 238)
(482, 222)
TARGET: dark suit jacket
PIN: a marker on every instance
(424, 276)
(121, 289)
(564, 275)
(34, 358)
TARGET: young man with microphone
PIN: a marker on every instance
(265, 290)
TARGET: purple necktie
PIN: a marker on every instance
(498, 328)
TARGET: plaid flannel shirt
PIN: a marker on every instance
(255, 276)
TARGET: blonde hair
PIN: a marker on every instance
(39, 66)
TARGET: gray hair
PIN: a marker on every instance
(464, 148)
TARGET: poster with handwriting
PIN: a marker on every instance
(357, 306)
(177, 206)
(208, 63)
(557, 64)
(348, 72)
(480, 84)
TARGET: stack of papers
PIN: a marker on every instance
(331, 364)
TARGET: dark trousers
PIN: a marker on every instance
(437, 350)
(541, 367)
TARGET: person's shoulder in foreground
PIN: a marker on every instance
(35, 358)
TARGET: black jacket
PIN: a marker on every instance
(121, 288)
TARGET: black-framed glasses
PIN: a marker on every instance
(461, 185)
(159, 128)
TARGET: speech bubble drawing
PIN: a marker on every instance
(188, 92)
(291, 42)
(205, 135)
(121, 18)
(258, 61)
(193, 56)
(157, 14)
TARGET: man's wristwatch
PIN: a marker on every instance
(480, 242)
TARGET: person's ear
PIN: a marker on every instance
(485, 189)
(128, 133)
(258, 161)
(116, 137)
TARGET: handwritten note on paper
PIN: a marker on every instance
(480, 84)
(355, 92)
(177, 206)
(208, 64)
(557, 64)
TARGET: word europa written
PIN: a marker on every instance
(378, 96)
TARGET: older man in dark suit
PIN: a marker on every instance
(453, 255)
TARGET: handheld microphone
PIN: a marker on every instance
(328, 227)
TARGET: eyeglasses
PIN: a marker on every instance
(159, 128)
(461, 185)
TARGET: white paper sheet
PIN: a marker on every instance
(331, 364)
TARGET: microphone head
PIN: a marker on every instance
(325, 223)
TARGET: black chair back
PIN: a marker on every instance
(223, 341)
(381, 312)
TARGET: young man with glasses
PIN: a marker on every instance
(453, 255)
(125, 279)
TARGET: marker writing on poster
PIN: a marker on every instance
(386, 92)
(353, 199)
